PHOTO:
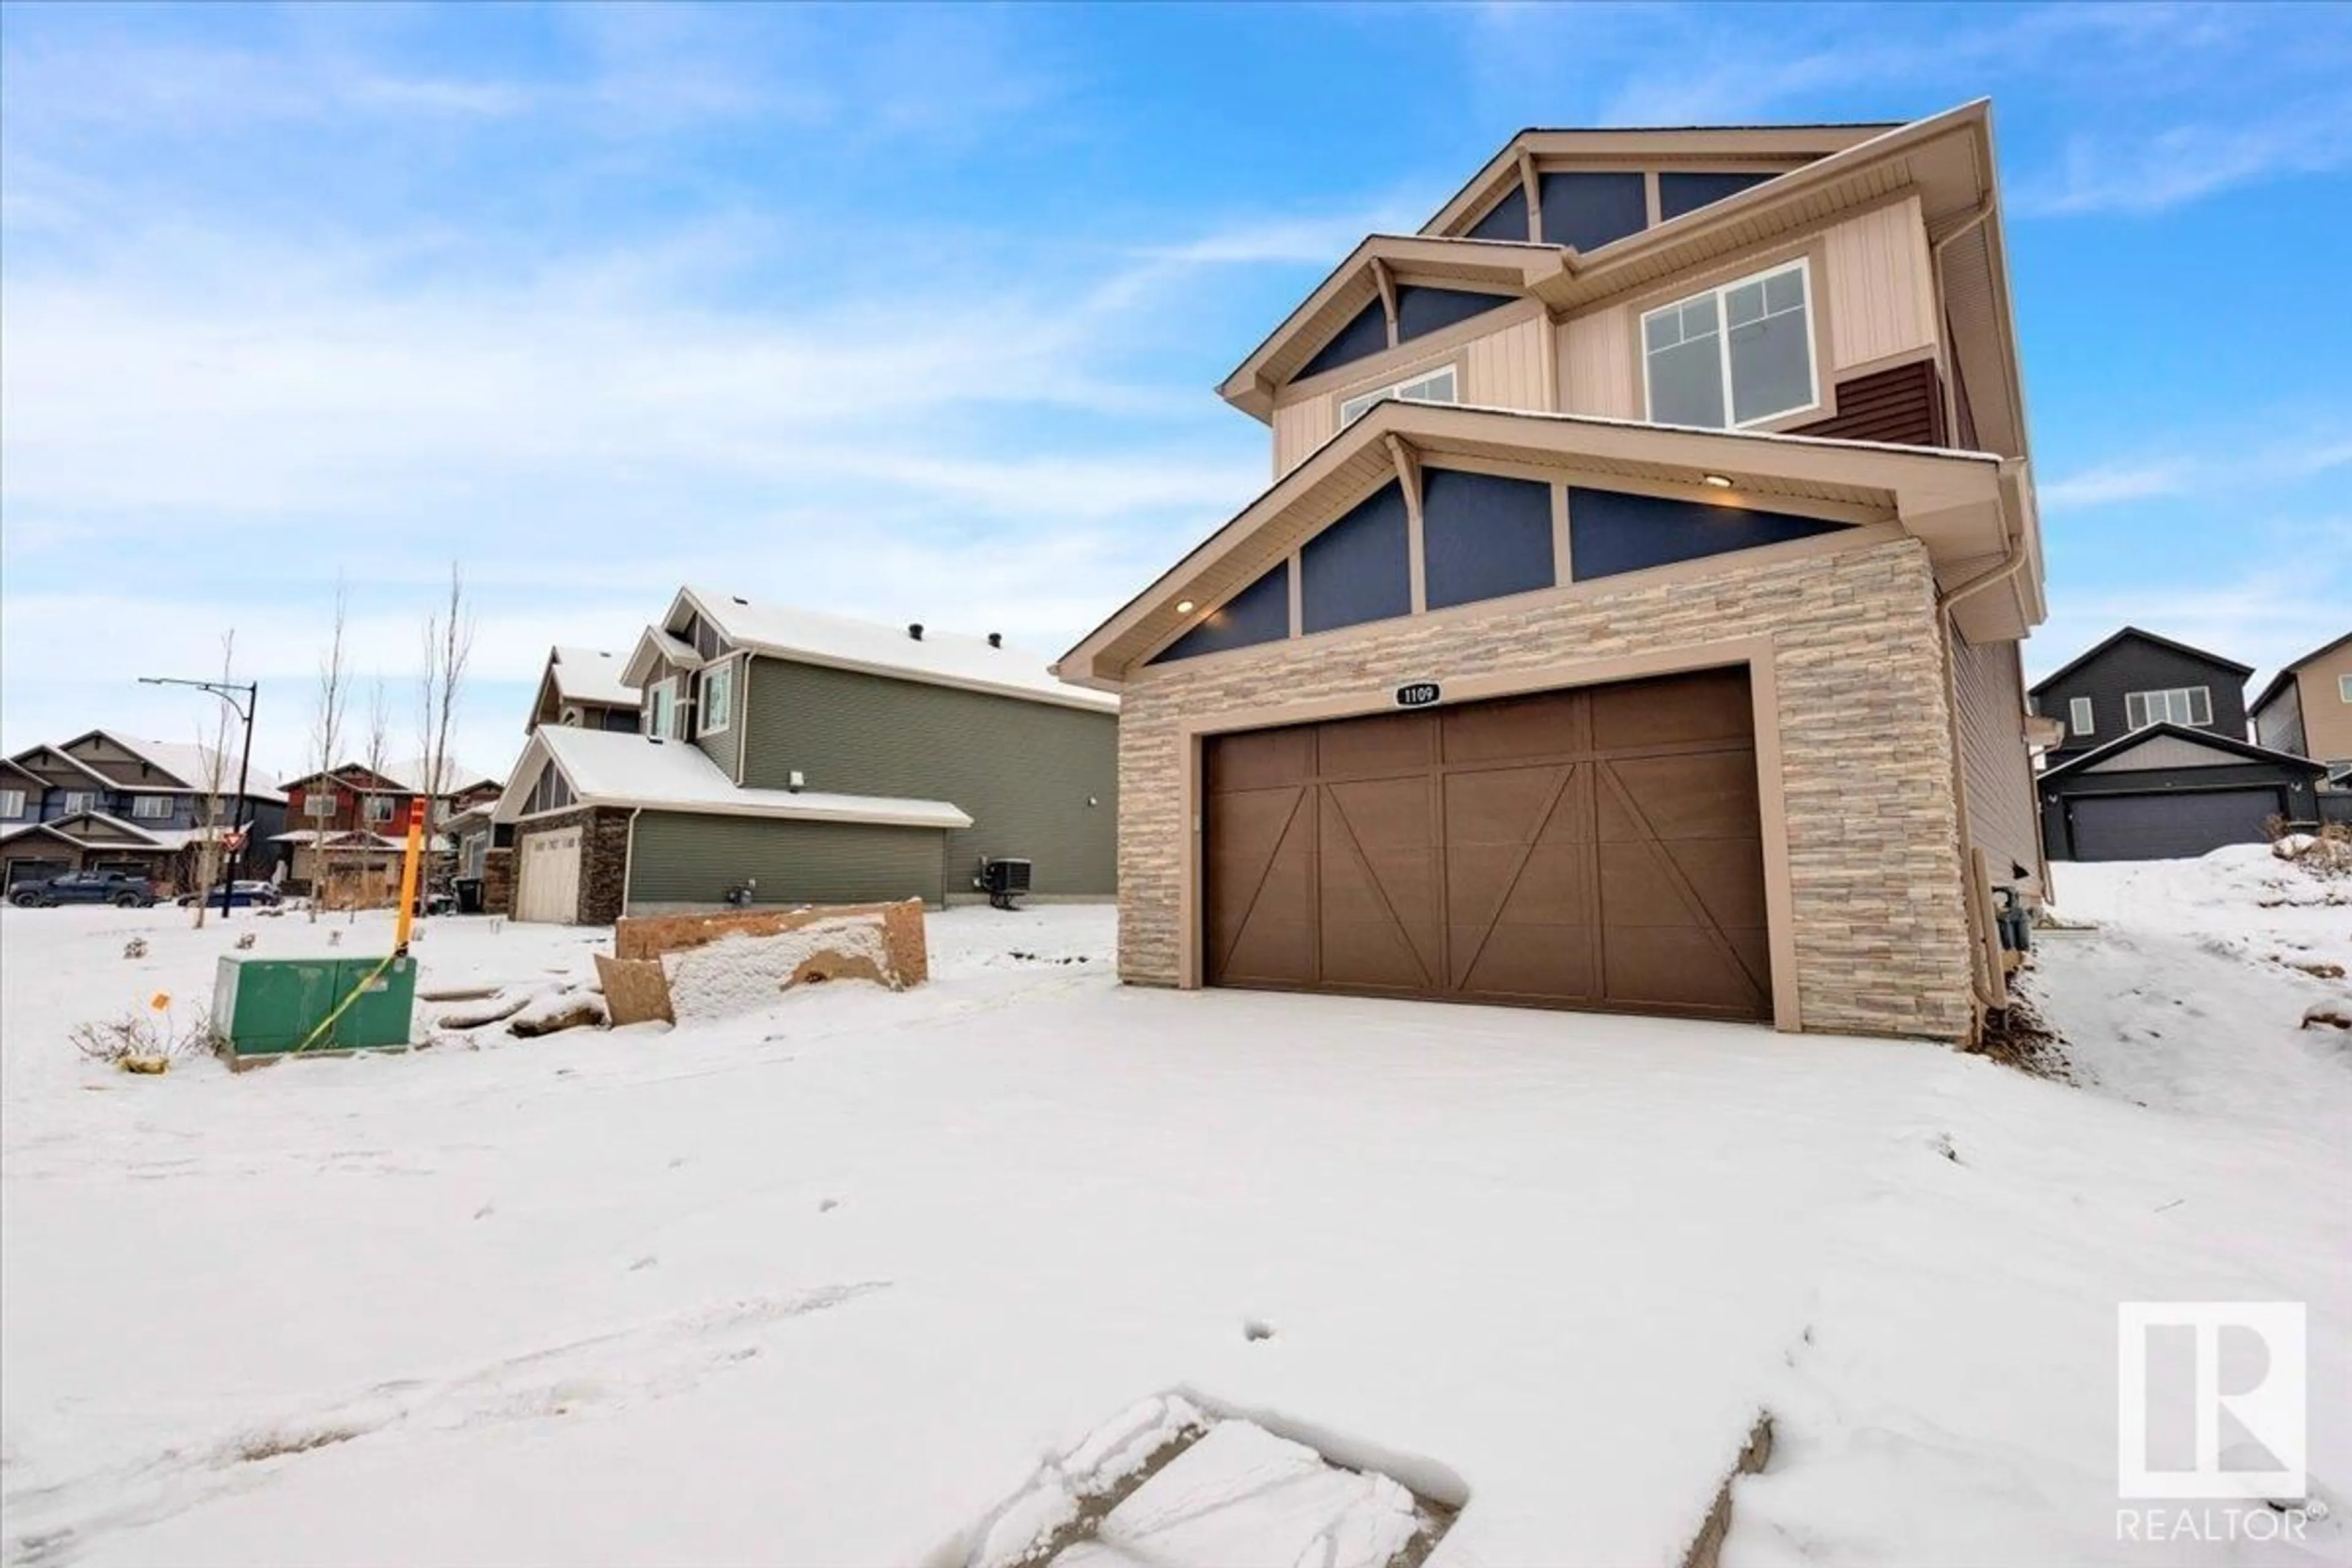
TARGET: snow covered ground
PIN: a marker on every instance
(826, 1284)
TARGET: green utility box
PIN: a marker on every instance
(266, 1008)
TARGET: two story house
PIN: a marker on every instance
(346, 826)
(1632, 621)
(104, 800)
(784, 756)
(2306, 712)
(2154, 762)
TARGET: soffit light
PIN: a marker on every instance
(1183, 607)
(1718, 481)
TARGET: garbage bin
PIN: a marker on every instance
(470, 895)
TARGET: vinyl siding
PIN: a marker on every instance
(1879, 292)
(2135, 666)
(690, 860)
(1596, 364)
(1299, 427)
(1021, 770)
(1507, 369)
(725, 747)
(2326, 717)
(2280, 725)
(1995, 766)
(1903, 405)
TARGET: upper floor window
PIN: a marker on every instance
(1734, 355)
(320, 805)
(12, 802)
(2176, 705)
(2343, 687)
(380, 807)
(717, 696)
(661, 709)
(2078, 716)
(151, 806)
(1435, 387)
(80, 800)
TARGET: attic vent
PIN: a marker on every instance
(996, 639)
(915, 630)
(738, 598)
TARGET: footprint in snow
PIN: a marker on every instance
(1255, 1328)
(648, 1262)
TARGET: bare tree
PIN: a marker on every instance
(379, 731)
(213, 760)
(448, 649)
(326, 737)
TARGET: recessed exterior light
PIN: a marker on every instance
(1720, 481)
(1183, 607)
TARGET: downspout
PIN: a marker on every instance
(1987, 995)
(629, 857)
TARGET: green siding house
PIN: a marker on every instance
(786, 756)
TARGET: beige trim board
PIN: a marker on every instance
(1403, 360)
(1755, 654)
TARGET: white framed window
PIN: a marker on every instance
(1438, 385)
(661, 709)
(717, 709)
(380, 807)
(319, 806)
(80, 800)
(2175, 705)
(2343, 687)
(2078, 716)
(1734, 356)
(149, 807)
(12, 802)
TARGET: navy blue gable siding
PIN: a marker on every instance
(1483, 536)
(1507, 219)
(1361, 338)
(1259, 612)
(1610, 531)
(1360, 568)
(1588, 211)
(1422, 310)
(1681, 193)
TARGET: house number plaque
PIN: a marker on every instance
(1418, 694)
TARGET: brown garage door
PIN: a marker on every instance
(1598, 847)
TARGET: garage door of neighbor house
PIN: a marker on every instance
(549, 886)
(1598, 847)
(2170, 824)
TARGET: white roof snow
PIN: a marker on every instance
(610, 767)
(941, 659)
(591, 675)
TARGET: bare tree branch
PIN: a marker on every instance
(327, 736)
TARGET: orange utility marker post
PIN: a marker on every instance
(409, 861)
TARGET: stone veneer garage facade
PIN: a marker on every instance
(1870, 935)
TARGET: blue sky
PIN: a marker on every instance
(916, 314)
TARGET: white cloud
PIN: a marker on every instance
(2106, 485)
(2108, 173)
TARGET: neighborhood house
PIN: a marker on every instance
(347, 827)
(1632, 622)
(2155, 764)
(107, 802)
(782, 755)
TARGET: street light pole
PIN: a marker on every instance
(226, 691)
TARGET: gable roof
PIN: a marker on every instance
(2205, 738)
(139, 837)
(937, 659)
(2288, 670)
(187, 761)
(405, 776)
(2080, 660)
(590, 675)
(654, 646)
(1966, 507)
(64, 756)
(617, 767)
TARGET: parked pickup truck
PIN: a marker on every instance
(117, 888)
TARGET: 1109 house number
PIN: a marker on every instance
(1419, 694)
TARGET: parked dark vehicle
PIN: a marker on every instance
(119, 887)
(241, 895)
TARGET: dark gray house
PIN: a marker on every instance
(2155, 764)
(810, 758)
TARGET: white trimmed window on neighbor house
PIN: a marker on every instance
(717, 696)
(661, 709)
(2079, 718)
(1438, 385)
(380, 808)
(319, 806)
(80, 800)
(12, 802)
(2343, 687)
(150, 807)
(2191, 705)
(1734, 356)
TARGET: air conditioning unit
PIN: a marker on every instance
(1004, 881)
